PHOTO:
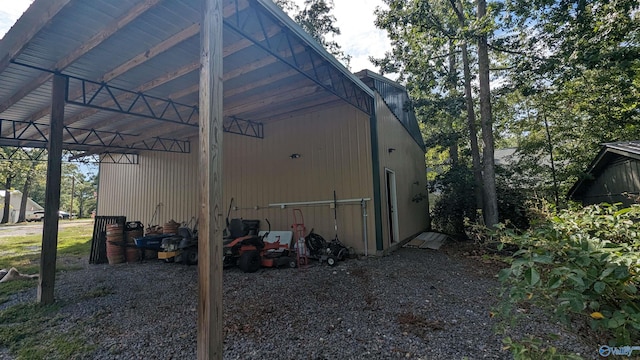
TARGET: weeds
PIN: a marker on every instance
(581, 266)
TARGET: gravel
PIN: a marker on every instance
(413, 304)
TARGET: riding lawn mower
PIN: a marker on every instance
(181, 248)
(245, 247)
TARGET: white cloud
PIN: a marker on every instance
(359, 36)
(10, 11)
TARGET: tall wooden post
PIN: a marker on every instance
(210, 312)
(52, 193)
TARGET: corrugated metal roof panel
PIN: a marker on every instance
(629, 146)
(398, 101)
(263, 77)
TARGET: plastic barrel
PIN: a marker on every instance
(115, 253)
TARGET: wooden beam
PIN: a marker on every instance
(52, 194)
(210, 311)
(139, 122)
(263, 103)
(81, 50)
(293, 107)
(260, 101)
(145, 55)
(141, 58)
(167, 129)
(254, 66)
(26, 32)
(144, 87)
(128, 65)
(268, 80)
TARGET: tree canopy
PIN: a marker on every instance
(564, 78)
(25, 169)
(317, 20)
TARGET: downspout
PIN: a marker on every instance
(375, 159)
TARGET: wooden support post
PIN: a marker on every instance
(52, 193)
(210, 312)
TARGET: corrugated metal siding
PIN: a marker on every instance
(398, 101)
(407, 161)
(160, 178)
(334, 144)
(619, 177)
(335, 150)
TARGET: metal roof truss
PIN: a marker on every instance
(282, 46)
(34, 135)
(12, 153)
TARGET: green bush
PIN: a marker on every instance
(456, 201)
(580, 265)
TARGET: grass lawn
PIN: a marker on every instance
(26, 328)
(23, 253)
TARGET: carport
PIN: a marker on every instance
(116, 77)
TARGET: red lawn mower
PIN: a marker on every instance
(245, 248)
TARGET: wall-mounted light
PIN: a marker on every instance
(295, 155)
(391, 150)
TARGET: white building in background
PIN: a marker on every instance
(14, 205)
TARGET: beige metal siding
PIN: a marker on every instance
(335, 148)
(407, 161)
(165, 179)
(335, 154)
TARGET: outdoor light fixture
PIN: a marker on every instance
(295, 155)
(391, 150)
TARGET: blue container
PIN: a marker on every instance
(151, 242)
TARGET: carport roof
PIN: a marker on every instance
(133, 73)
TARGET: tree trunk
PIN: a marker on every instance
(7, 200)
(25, 193)
(80, 206)
(473, 131)
(489, 174)
(471, 115)
(453, 83)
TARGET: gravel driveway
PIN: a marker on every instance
(413, 304)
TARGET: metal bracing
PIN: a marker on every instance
(102, 96)
(281, 46)
(113, 158)
(20, 154)
(32, 134)
(110, 98)
(40, 154)
(239, 126)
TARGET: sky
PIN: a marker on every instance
(10, 11)
(359, 36)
